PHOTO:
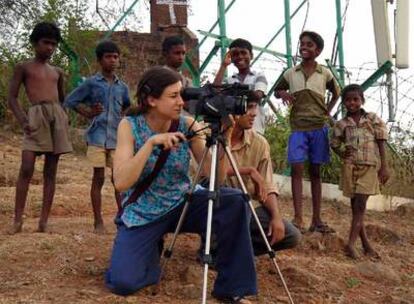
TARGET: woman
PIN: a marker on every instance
(135, 257)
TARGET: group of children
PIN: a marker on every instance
(358, 138)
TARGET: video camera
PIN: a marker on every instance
(216, 102)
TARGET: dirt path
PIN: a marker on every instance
(66, 265)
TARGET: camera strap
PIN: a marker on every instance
(142, 186)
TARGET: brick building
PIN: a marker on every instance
(143, 50)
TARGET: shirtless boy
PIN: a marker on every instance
(45, 124)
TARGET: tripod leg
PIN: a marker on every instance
(212, 197)
(168, 252)
(270, 251)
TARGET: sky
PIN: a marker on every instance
(259, 22)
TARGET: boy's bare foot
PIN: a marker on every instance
(368, 251)
(42, 227)
(321, 228)
(99, 228)
(16, 228)
(350, 252)
(299, 224)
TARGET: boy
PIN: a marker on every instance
(359, 139)
(251, 152)
(101, 98)
(240, 54)
(45, 125)
(173, 51)
(307, 84)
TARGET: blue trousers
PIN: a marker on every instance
(135, 261)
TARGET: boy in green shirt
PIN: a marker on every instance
(303, 88)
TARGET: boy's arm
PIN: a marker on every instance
(383, 173)
(126, 100)
(333, 87)
(76, 101)
(337, 140)
(276, 227)
(14, 86)
(260, 87)
(257, 179)
(218, 80)
(61, 87)
(281, 91)
(381, 136)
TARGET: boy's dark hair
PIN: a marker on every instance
(315, 37)
(352, 88)
(243, 44)
(106, 46)
(153, 83)
(171, 41)
(45, 30)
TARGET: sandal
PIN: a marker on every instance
(322, 228)
(233, 300)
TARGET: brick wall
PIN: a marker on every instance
(141, 51)
(162, 16)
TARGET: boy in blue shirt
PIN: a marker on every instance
(101, 98)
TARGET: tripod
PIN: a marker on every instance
(213, 141)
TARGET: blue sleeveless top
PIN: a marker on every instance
(167, 190)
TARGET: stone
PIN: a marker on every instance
(382, 234)
(191, 291)
(324, 242)
(406, 210)
(299, 277)
(90, 259)
(378, 272)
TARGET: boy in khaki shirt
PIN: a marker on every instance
(359, 139)
(251, 152)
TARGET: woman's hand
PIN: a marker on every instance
(167, 140)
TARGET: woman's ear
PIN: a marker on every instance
(151, 101)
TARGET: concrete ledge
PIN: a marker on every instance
(331, 192)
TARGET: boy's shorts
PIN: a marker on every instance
(50, 129)
(100, 157)
(309, 145)
(359, 179)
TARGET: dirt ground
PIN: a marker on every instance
(66, 264)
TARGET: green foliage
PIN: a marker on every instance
(400, 160)
(277, 134)
(352, 282)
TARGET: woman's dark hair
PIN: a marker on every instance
(243, 44)
(106, 46)
(45, 30)
(315, 37)
(352, 88)
(152, 83)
